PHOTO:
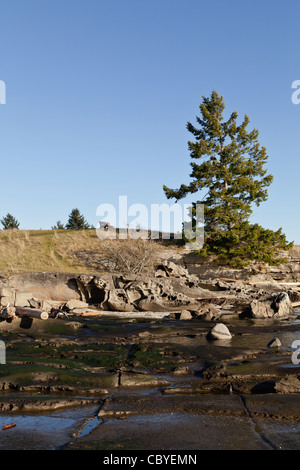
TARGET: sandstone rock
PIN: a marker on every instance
(208, 316)
(208, 312)
(140, 380)
(289, 384)
(133, 295)
(79, 311)
(23, 299)
(45, 285)
(163, 297)
(261, 309)
(118, 301)
(46, 305)
(170, 269)
(181, 370)
(282, 305)
(93, 288)
(185, 315)
(160, 273)
(274, 343)
(219, 332)
(7, 292)
(276, 306)
(35, 303)
(73, 303)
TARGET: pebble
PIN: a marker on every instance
(274, 343)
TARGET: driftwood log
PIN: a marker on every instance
(8, 313)
(91, 313)
(8, 426)
(235, 280)
(32, 313)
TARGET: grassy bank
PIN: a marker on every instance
(44, 250)
(52, 250)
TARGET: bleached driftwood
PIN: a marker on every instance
(8, 312)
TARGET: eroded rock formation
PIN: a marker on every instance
(171, 288)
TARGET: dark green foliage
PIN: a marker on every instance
(9, 222)
(245, 243)
(233, 178)
(58, 226)
(77, 221)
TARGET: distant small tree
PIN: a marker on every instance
(58, 226)
(77, 221)
(9, 222)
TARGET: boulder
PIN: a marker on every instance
(219, 332)
(181, 370)
(118, 301)
(274, 343)
(185, 315)
(260, 309)
(46, 305)
(282, 305)
(288, 384)
(208, 312)
(278, 305)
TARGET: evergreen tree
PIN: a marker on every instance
(231, 172)
(77, 221)
(9, 222)
(58, 226)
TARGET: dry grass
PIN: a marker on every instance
(55, 250)
(43, 250)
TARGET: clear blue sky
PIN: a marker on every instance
(99, 94)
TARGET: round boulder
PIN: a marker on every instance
(219, 332)
(185, 315)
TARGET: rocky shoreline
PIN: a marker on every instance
(171, 288)
(91, 357)
(150, 346)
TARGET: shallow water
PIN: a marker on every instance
(46, 431)
(52, 430)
